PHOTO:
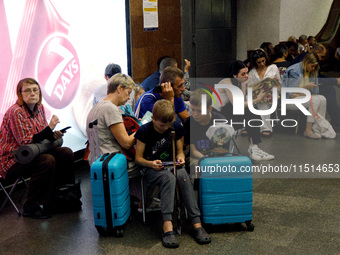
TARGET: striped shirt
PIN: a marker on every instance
(18, 127)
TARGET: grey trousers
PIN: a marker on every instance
(166, 181)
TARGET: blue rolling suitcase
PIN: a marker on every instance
(110, 188)
(110, 194)
(226, 190)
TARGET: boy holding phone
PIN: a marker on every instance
(154, 146)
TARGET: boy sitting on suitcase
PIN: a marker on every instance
(154, 147)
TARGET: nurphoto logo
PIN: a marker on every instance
(238, 104)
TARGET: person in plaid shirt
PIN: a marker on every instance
(25, 123)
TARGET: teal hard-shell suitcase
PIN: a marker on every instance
(226, 190)
(110, 194)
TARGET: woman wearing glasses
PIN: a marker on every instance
(25, 123)
(260, 71)
(111, 134)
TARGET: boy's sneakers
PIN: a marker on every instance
(255, 153)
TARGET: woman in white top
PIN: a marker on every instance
(239, 78)
(260, 71)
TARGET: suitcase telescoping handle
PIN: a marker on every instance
(93, 123)
(94, 137)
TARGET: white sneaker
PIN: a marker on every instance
(257, 154)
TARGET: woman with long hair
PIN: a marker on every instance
(239, 77)
(305, 75)
(260, 71)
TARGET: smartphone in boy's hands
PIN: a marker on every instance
(169, 163)
(64, 129)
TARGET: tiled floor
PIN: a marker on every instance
(294, 213)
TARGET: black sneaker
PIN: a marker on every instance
(35, 211)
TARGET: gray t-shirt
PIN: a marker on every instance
(107, 114)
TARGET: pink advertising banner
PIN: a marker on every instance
(65, 46)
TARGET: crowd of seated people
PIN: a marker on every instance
(294, 64)
(291, 54)
(272, 62)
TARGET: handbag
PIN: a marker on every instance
(321, 126)
(127, 112)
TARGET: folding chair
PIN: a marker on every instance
(8, 194)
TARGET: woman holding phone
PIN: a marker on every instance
(111, 134)
(25, 123)
(305, 75)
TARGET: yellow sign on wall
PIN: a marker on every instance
(150, 15)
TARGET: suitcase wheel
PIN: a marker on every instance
(250, 226)
(119, 232)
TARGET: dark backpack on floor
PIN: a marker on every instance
(67, 199)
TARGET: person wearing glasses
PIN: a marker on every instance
(111, 134)
(25, 123)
